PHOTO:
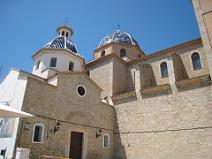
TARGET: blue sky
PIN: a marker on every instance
(26, 25)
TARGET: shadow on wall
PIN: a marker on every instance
(147, 76)
(179, 68)
(119, 148)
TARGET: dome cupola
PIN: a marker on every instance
(118, 37)
(62, 40)
(59, 55)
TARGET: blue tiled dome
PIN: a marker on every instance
(118, 37)
(62, 42)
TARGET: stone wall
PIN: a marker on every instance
(132, 51)
(147, 78)
(119, 77)
(182, 64)
(102, 74)
(74, 113)
(185, 56)
(173, 124)
(203, 11)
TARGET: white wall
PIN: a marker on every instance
(62, 65)
(53, 81)
(12, 90)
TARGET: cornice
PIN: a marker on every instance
(192, 81)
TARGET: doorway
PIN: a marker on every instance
(76, 145)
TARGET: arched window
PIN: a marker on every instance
(122, 53)
(66, 34)
(164, 70)
(63, 33)
(196, 61)
(106, 140)
(38, 133)
(103, 53)
(71, 66)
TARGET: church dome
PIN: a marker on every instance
(118, 37)
(63, 43)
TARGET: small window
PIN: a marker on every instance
(53, 62)
(38, 133)
(195, 57)
(37, 65)
(66, 34)
(164, 69)
(88, 72)
(81, 90)
(71, 66)
(63, 33)
(102, 53)
(106, 141)
(122, 53)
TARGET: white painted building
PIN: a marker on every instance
(59, 55)
(12, 91)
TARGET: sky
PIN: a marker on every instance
(27, 25)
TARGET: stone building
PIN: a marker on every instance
(123, 104)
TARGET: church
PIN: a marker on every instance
(124, 104)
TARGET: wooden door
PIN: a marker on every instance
(76, 145)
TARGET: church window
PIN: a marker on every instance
(53, 62)
(122, 53)
(164, 69)
(66, 34)
(38, 133)
(106, 140)
(81, 90)
(88, 72)
(63, 33)
(103, 53)
(195, 57)
(37, 65)
(71, 66)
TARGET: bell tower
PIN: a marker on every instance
(58, 55)
(65, 31)
(203, 11)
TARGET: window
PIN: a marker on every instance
(37, 65)
(106, 141)
(53, 62)
(71, 66)
(88, 72)
(102, 53)
(122, 53)
(63, 33)
(66, 34)
(38, 133)
(164, 69)
(196, 61)
(81, 90)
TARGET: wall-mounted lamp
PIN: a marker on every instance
(26, 125)
(98, 132)
(57, 126)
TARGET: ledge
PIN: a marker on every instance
(124, 95)
(155, 89)
(192, 81)
(52, 157)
